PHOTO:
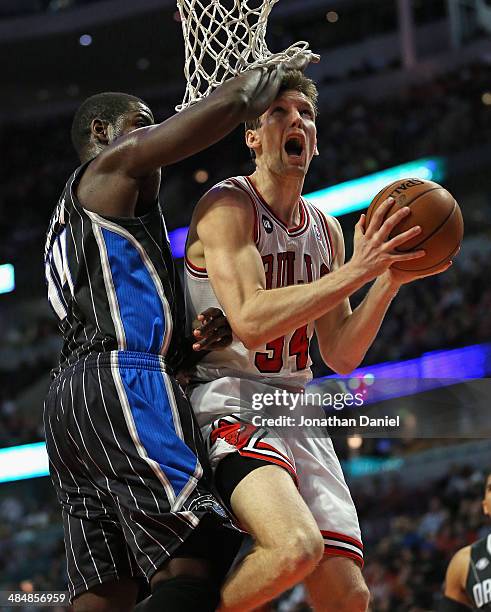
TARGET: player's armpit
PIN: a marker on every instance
(456, 576)
(345, 338)
(336, 234)
(328, 326)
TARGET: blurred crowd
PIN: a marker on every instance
(17, 427)
(31, 545)
(351, 23)
(438, 312)
(444, 116)
(441, 312)
(412, 539)
(29, 349)
(408, 543)
(16, 8)
(448, 115)
(308, 26)
(410, 536)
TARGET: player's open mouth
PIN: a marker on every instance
(294, 147)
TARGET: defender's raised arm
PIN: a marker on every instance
(203, 124)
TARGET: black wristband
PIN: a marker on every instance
(450, 605)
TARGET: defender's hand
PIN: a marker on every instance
(211, 331)
(373, 252)
(260, 86)
(302, 61)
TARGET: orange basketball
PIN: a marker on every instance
(435, 210)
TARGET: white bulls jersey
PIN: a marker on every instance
(291, 257)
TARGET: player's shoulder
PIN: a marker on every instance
(68, 199)
(331, 223)
(225, 210)
(227, 193)
(460, 561)
(71, 194)
(332, 229)
(456, 575)
(334, 225)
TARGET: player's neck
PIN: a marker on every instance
(281, 194)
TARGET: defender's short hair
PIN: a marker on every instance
(297, 81)
(108, 106)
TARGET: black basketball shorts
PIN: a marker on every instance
(126, 460)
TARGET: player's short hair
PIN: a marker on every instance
(293, 80)
(297, 81)
(108, 106)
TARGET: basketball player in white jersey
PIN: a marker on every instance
(276, 266)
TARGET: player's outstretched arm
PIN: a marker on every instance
(242, 98)
(455, 598)
(224, 223)
(344, 336)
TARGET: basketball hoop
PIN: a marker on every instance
(222, 39)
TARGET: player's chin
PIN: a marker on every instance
(296, 166)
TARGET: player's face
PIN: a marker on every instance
(286, 140)
(486, 502)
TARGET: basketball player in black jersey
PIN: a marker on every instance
(468, 579)
(125, 454)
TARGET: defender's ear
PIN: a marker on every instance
(99, 130)
(316, 150)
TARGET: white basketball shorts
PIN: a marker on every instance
(229, 424)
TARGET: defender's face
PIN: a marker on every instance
(104, 133)
(139, 115)
(286, 140)
(486, 502)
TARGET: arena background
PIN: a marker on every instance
(400, 81)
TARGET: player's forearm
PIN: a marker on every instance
(185, 134)
(272, 313)
(205, 123)
(349, 345)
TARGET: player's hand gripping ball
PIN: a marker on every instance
(435, 210)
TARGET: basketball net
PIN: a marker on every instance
(222, 39)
